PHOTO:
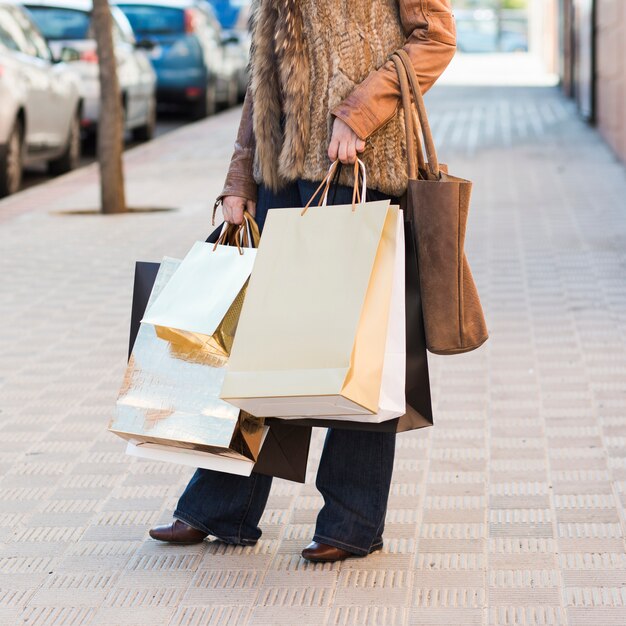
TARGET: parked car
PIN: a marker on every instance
(234, 16)
(40, 103)
(237, 53)
(188, 52)
(67, 23)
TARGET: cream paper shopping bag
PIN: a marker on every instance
(392, 401)
(202, 300)
(305, 343)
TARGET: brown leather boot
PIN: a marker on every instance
(322, 553)
(178, 532)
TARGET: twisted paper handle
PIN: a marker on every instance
(243, 235)
(357, 197)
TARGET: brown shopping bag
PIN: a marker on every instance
(284, 452)
(437, 203)
(306, 345)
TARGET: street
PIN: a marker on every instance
(509, 511)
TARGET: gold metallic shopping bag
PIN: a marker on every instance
(306, 343)
(170, 395)
(219, 343)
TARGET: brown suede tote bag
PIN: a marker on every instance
(437, 204)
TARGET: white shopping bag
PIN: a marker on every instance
(192, 458)
(392, 401)
(202, 289)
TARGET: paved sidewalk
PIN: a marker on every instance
(510, 511)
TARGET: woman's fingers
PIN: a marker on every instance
(342, 152)
(232, 209)
(344, 143)
(333, 148)
(347, 150)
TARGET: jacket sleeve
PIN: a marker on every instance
(431, 44)
(240, 178)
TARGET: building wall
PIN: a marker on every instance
(611, 73)
(543, 27)
(565, 37)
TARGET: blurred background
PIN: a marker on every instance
(182, 60)
(579, 42)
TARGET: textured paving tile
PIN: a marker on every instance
(509, 512)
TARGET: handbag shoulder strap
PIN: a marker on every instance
(412, 141)
(409, 86)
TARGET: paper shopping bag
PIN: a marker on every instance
(192, 458)
(170, 396)
(419, 412)
(201, 303)
(284, 453)
(306, 344)
(285, 449)
(391, 403)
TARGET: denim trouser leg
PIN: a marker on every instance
(224, 505)
(354, 477)
(354, 473)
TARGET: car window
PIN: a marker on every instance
(37, 43)
(11, 35)
(154, 20)
(56, 23)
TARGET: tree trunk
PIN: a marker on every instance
(110, 122)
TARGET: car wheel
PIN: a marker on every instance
(70, 158)
(12, 161)
(146, 131)
(208, 104)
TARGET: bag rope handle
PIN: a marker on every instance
(357, 196)
(409, 120)
(406, 71)
(242, 235)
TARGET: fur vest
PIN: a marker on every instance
(306, 57)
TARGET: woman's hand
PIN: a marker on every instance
(233, 208)
(344, 143)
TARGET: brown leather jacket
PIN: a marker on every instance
(430, 30)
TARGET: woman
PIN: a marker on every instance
(321, 89)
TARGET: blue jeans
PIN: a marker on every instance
(355, 469)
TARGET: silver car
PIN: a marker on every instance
(40, 105)
(67, 23)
